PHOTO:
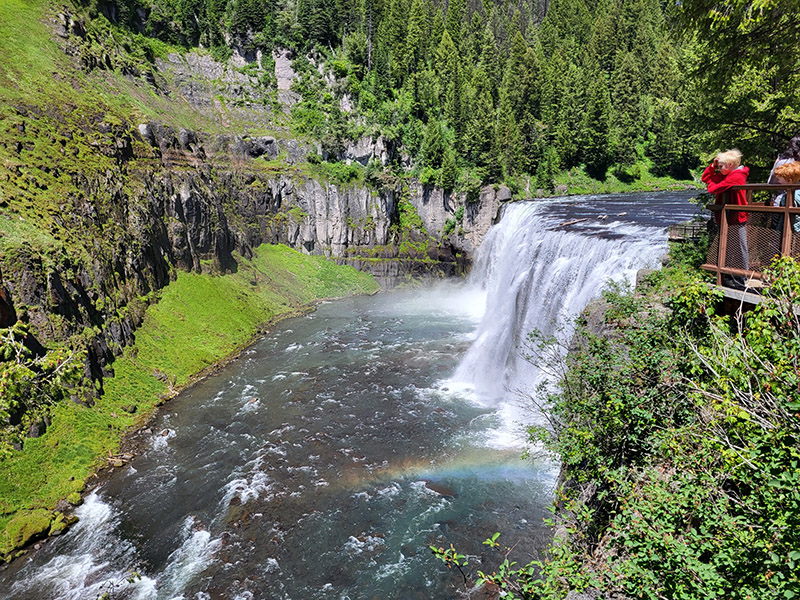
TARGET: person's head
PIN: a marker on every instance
(788, 173)
(793, 149)
(729, 160)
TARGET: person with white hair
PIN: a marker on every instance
(724, 172)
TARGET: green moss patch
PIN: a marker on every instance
(24, 527)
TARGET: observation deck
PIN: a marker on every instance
(742, 251)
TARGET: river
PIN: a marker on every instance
(325, 461)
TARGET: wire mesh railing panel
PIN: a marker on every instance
(744, 249)
(794, 250)
(713, 247)
(764, 238)
(737, 254)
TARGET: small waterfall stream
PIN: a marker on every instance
(325, 461)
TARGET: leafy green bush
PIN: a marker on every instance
(339, 172)
(429, 176)
(30, 383)
(470, 184)
(690, 253)
(308, 121)
(451, 224)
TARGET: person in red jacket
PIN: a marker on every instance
(724, 172)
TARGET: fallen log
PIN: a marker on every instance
(565, 223)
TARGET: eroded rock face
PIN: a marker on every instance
(7, 314)
(366, 149)
(336, 218)
(183, 200)
(436, 207)
(284, 75)
(200, 78)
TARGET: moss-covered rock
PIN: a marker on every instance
(58, 525)
(25, 527)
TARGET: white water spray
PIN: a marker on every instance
(539, 276)
(100, 562)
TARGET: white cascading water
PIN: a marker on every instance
(101, 563)
(539, 276)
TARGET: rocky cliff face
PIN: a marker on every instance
(177, 199)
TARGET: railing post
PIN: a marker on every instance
(786, 241)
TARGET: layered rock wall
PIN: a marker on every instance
(179, 200)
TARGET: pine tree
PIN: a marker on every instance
(545, 171)
(670, 143)
(371, 17)
(515, 86)
(520, 94)
(317, 21)
(393, 31)
(474, 41)
(479, 131)
(415, 46)
(490, 62)
(192, 15)
(646, 39)
(627, 101)
(455, 13)
(381, 70)
(566, 22)
(215, 14)
(745, 78)
(563, 91)
(447, 63)
(247, 16)
(597, 140)
(437, 30)
(603, 42)
(449, 172)
(348, 14)
(433, 145)
(508, 139)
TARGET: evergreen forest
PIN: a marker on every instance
(485, 92)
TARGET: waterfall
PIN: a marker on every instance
(539, 275)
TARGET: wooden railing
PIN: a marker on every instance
(682, 232)
(768, 230)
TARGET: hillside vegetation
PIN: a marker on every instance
(493, 91)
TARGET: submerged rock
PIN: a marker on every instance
(440, 489)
